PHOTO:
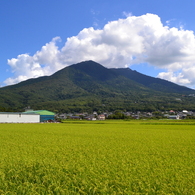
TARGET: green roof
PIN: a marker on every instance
(41, 112)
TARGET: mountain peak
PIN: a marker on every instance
(94, 70)
(88, 65)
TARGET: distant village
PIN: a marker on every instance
(39, 116)
(129, 115)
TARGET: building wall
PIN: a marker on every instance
(19, 118)
(44, 118)
(45, 115)
(173, 117)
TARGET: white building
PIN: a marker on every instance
(10, 117)
(173, 117)
(101, 117)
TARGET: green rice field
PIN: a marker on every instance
(98, 157)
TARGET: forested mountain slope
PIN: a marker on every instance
(89, 86)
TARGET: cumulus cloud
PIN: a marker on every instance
(174, 77)
(121, 43)
(43, 62)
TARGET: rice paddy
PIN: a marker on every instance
(108, 157)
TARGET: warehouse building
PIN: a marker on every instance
(45, 115)
(18, 117)
(35, 116)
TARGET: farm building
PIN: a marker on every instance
(45, 115)
(18, 117)
(35, 116)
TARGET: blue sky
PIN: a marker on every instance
(153, 37)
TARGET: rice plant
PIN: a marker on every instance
(111, 157)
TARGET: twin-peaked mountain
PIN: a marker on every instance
(89, 86)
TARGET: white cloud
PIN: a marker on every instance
(121, 43)
(174, 77)
(43, 62)
(127, 14)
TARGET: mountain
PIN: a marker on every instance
(153, 83)
(89, 86)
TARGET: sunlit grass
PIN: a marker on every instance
(98, 157)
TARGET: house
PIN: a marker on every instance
(90, 118)
(182, 115)
(172, 112)
(185, 112)
(101, 117)
(173, 117)
(62, 116)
